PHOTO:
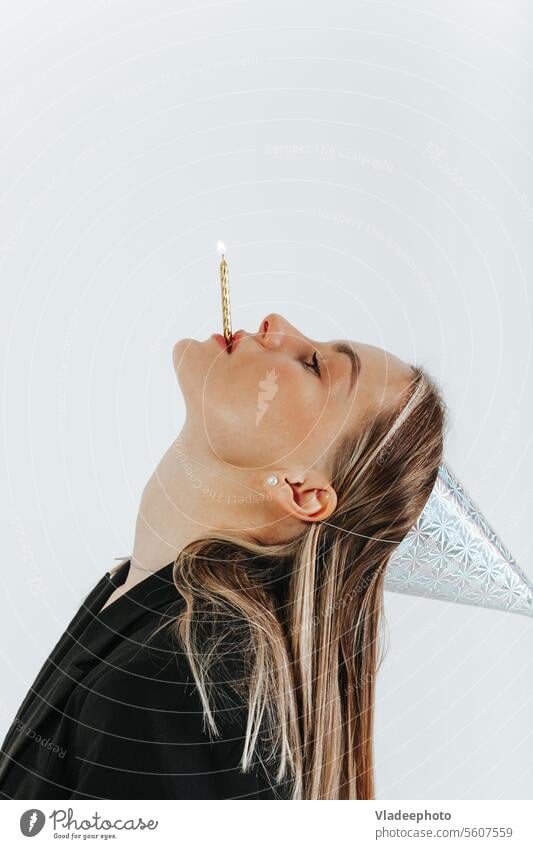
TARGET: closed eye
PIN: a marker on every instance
(313, 364)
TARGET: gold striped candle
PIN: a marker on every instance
(224, 285)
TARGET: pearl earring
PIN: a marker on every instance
(272, 480)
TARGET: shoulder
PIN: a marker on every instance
(140, 730)
(148, 681)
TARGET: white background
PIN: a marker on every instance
(368, 165)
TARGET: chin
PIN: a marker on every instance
(181, 349)
(181, 359)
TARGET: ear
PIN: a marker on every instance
(308, 496)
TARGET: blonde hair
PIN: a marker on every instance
(301, 620)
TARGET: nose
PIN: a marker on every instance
(275, 331)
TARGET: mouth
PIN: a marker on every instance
(235, 339)
(219, 339)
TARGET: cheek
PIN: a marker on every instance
(287, 410)
(255, 417)
(227, 403)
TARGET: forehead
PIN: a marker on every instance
(380, 361)
(383, 376)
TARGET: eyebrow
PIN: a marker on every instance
(355, 361)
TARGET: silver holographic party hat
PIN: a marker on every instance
(452, 553)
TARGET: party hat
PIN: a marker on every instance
(452, 553)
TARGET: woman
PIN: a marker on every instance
(234, 654)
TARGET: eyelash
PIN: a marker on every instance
(313, 365)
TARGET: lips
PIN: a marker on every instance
(236, 338)
(219, 339)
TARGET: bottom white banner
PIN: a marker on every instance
(244, 823)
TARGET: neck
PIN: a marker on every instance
(189, 495)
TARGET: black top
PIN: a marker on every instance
(110, 716)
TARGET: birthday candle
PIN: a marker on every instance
(224, 284)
